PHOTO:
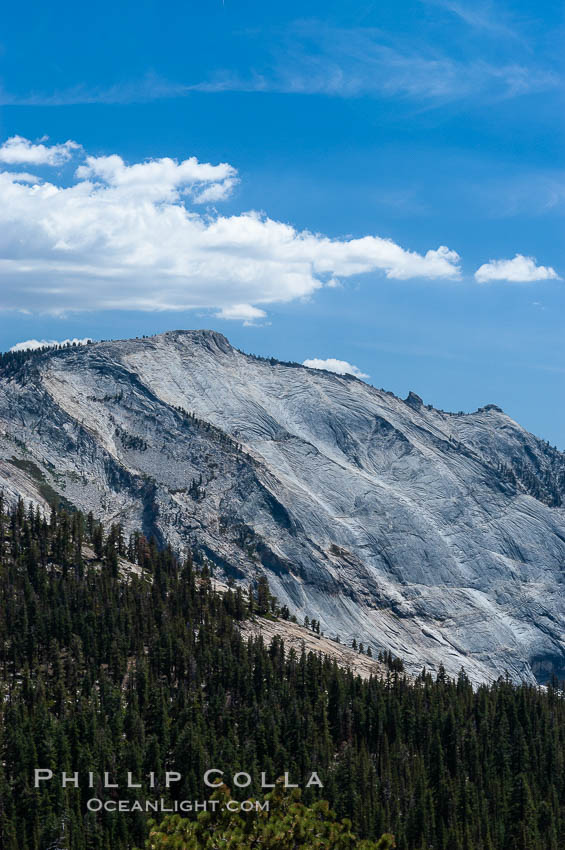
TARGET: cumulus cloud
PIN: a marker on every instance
(35, 344)
(123, 236)
(519, 270)
(341, 367)
(17, 150)
(161, 179)
(242, 312)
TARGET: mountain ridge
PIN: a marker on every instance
(437, 535)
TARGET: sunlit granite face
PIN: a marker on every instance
(438, 536)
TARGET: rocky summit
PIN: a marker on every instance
(438, 536)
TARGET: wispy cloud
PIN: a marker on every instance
(150, 87)
(530, 192)
(364, 61)
(485, 17)
(312, 58)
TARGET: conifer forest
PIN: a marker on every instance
(116, 656)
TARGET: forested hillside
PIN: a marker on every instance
(115, 656)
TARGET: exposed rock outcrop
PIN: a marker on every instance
(438, 536)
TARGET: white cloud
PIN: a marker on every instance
(129, 237)
(34, 344)
(242, 312)
(519, 270)
(18, 150)
(161, 179)
(341, 367)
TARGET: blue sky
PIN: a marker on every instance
(346, 143)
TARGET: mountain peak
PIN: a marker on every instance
(203, 336)
(440, 538)
(490, 407)
(414, 400)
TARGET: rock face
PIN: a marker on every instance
(298, 638)
(438, 536)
